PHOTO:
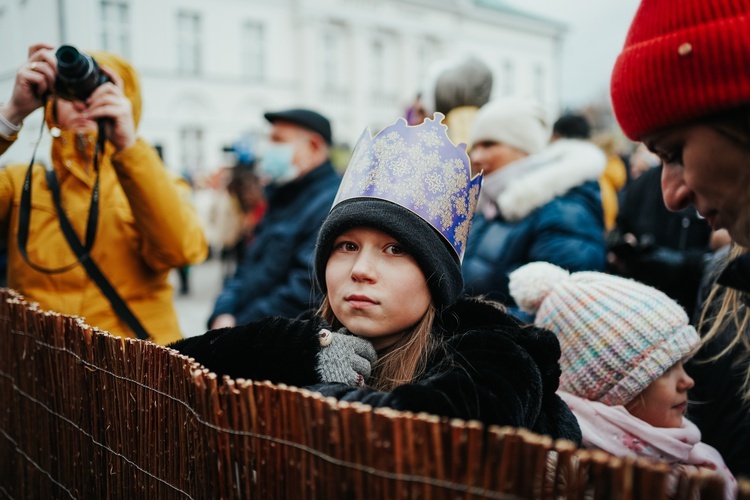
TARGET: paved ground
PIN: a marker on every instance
(193, 309)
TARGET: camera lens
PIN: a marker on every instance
(78, 75)
(71, 64)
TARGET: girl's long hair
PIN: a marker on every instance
(406, 360)
(725, 308)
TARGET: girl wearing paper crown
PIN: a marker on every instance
(623, 345)
(682, 86)
(391, 331)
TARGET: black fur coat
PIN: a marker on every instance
(493, 368)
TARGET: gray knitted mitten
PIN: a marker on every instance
(344, 358)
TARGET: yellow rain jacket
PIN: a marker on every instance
(147, 226)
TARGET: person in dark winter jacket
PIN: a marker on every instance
(391, 331)
(657, 247)
(275, 277)
(539, 202)
(719, 369)
(692, 111)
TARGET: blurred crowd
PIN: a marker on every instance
(620, 245)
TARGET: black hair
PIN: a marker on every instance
(572, 126)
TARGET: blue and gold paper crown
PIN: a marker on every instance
(420, 169)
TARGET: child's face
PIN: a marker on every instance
(664, 401)
(376, 289)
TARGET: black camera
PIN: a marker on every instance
(78, 75)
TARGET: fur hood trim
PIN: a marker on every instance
(563, 165)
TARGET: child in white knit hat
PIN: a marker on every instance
(623, 345)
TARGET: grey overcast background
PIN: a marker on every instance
(596, 33)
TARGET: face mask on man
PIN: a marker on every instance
(277, 163)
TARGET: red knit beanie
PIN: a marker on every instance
(682, 60)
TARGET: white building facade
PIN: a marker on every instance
(210, 69)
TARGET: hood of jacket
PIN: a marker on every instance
(519, 188)
(75, 151)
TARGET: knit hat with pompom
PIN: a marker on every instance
(616, 335)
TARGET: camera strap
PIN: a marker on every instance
(84, 257)
(81, 250)
(24, 214)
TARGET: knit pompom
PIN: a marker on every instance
(530, 284)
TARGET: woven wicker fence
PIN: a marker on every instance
(84, 414)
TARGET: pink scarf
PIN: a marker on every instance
(614, 430)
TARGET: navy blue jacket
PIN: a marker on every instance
(276, 274)
(568, 232)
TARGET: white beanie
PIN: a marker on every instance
(516, 122)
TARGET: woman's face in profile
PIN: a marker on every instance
(706, 168)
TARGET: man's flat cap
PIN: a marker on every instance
(304, 118)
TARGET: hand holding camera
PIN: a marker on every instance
(85, 92)
(108, 102)
(34, 79)
(95, 93)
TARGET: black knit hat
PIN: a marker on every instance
(434, 255)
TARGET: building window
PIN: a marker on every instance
(330, 67)
(383, 62)
(333, 57)
(377, 78)
(191, 149)
(539, 83)
(507, 77)
(427, 53)
(116, 27)
(253, 51)
(189, 42)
